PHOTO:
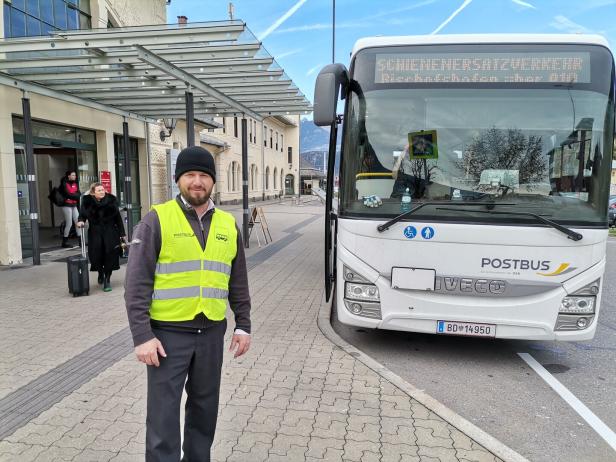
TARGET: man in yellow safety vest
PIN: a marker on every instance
(187, 260)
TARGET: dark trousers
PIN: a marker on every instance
(196, 354)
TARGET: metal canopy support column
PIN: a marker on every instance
(245, 181)
(190, 118)
(128, 182)
(32, 193)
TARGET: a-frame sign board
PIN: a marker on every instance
(257, 217)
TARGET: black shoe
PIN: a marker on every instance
(65, 243)
(107, 285)
(101, 278)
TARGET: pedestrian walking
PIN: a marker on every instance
(105, 232)
(69, 188)
(186, 262)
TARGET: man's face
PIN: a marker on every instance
(196, 187)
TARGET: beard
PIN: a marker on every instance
(195, 198)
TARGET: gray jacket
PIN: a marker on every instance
(139, 282)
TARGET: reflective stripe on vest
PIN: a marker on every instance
(189, 280)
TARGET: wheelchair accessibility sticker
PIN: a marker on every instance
(410, 232)
(427, 232)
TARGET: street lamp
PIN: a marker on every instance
(170, 126)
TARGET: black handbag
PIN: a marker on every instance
(56, 197)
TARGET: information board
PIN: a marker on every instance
(105, 176)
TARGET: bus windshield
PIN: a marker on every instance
(542, 147)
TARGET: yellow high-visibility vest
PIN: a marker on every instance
(188, 279)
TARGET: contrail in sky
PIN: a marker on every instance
(282, 19)
(453, 15)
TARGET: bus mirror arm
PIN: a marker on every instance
(327, 87)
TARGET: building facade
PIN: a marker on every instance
(72, 136)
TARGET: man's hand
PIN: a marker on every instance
(148, 352)
(80, 224)
(240, 343)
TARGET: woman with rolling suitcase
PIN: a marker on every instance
(105, 233)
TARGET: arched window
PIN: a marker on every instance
(230, 177)
(233, 175)
(256, 187)
(267, 175)
(238, 177)
(275, 178)
(282, 179)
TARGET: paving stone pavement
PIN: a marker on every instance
(294, 397)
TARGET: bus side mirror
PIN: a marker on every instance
(327, 91)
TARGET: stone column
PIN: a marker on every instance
(10, 239)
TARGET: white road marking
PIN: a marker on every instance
(597, 424)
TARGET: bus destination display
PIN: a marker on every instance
(557, 67)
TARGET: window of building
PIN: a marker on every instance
(264, 136)
(275, 178)
(271, 138)
(276, 141)
(234, 176)
(40, 17)
(235, 127)
(290, 154)
(224, 125)
(267, 176)
(281, 178)
(281, 142)
(254, 177)
(250, 130)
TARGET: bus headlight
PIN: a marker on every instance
(577, 305)
(361, 292)
(351, 275)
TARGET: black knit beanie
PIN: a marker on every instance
(195, 158)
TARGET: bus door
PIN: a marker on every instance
(330, 81)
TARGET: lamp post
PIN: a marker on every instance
(334, 31)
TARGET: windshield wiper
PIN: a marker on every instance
(402, 216)
(569, 232)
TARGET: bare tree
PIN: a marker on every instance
(421, 173)
(497, 149)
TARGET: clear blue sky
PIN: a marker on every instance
(298, 33)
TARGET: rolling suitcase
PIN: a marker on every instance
(78, 275)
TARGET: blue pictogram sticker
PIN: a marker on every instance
(410, 232)
(427, 232)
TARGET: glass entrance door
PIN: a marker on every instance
(289, 185)
(134, 171)
(23, 201)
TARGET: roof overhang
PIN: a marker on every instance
(143, 72)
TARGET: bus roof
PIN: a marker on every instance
(584, 39)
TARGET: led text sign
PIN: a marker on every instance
(557, 67)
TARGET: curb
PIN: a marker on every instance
(472, 431)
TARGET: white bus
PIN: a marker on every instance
(503, 144)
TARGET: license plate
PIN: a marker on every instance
(413, 278)
(470, 329)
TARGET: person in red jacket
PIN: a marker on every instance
(69, 188)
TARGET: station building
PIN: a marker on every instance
(102, 87)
